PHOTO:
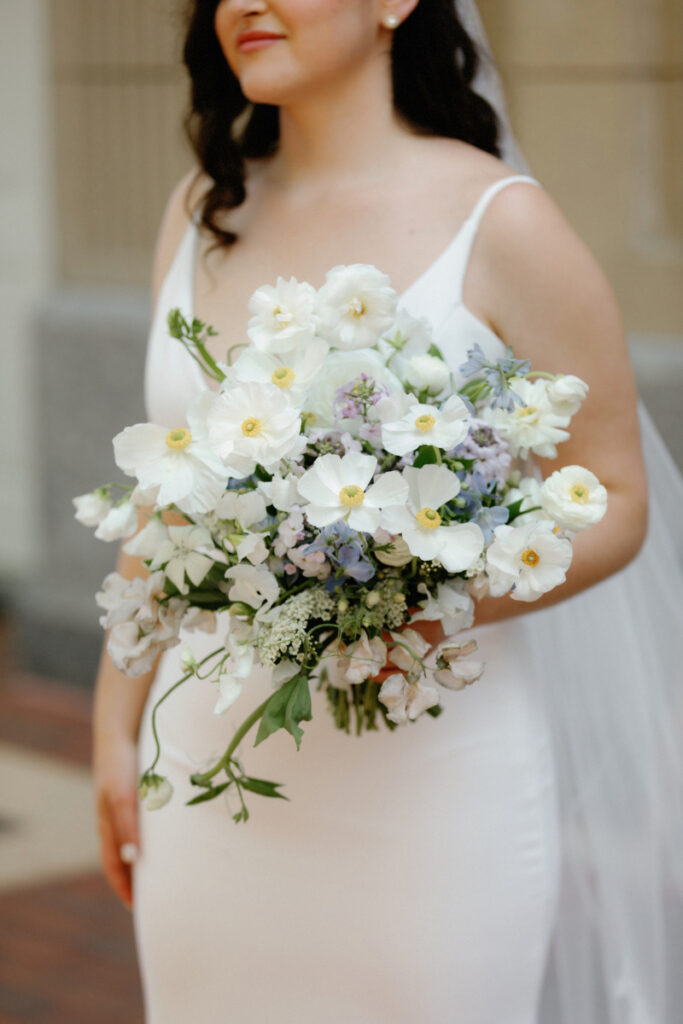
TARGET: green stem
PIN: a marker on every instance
(437, 452)
(200, 778)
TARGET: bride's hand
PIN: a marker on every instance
(115, 773)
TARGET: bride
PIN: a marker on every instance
(511, 860)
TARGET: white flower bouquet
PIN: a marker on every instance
(336, 490)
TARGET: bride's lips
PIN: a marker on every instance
(256, 40)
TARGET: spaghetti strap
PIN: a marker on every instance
(469, 229)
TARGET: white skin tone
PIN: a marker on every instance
(352, 183)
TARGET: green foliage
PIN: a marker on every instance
(287, 707)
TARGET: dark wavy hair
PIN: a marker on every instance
(433, 62)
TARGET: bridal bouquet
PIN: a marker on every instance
(335, 490)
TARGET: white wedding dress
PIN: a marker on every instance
(413, 876)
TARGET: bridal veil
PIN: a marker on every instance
(611, 660)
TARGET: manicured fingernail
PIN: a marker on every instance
(128, 853)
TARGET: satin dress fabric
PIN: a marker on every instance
(411, 876)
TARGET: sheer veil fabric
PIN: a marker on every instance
(614, 656)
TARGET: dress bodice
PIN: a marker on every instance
(172, 377)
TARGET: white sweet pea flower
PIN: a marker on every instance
(530, 558)
(337, 488)
(529, 492)
(246, 508)
(451, 605)
(254, 423)
(179, 462)
(284, 316)
(281, 492)
(567, 393)
(340, 368)
(120, 521)
(180, 558)
(406, 700)
(408, 651)
(427, 373)
(147, 542)
(200, 618)
(235, 670)
(252, 585)
(356, 304)
(293, 373)
(408, 336)
(574, 498)
(427, 424)
(92, 508)
(352, 664)
(452, 668)
(534, 427)
(155, 791)
(313, 566)
(252, 546)
(457, 545)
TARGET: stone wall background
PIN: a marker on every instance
(92, 98)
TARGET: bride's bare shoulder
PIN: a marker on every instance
(174, 223)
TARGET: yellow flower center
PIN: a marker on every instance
(429, 518)
(251, 427)
(351, 496)
(357, 307)
(425, 422)
(527, 410)
(580, 494)
(284, 376)
(178, 439)
(531, 557)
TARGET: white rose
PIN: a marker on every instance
(567, 393)
(574, 498)
(427, 373)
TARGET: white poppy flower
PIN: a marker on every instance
(567, 393)
(337, 488)
(120, 521)
(92, 508)
(451, 605)
(356, 304)
(406, 700)
(451, 667)
(349, 665)
(180, 557)
(340, 368)
(427, 424)
(245, 508)
(252, 585)
(178, 462)
(531, 558)
(457, 545)
(293, 373)
(534, 427)
(284, 316)
(254, 423)
(427, 373)
(574, 498)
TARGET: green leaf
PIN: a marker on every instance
(208, 794)
(514, 509)
(426, 456)
(262, 787)
(287, 707)
(434, 350)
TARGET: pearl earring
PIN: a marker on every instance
(390, 21)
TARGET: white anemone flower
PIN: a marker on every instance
(427, 424)
(406, 700)
(573, 497)
(340, 369)
(337, 488)
(179, 462)
(294, 373)
(456, 546)
(356, 304)
(284, 316)
(180, 558)
(531, 558)
(534, 427)
(92, 508)
(254, 424)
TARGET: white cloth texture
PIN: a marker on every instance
(412, 876)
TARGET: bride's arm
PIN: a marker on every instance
(552, 303)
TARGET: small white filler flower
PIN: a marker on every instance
(337, 488)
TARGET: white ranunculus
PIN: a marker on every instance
(443, 427)
(254, 424)
(567, 393)
(457, 545)
(92, 508)
(293, 373)
(178, 462)
(574, 498)
(530, 558)
(427, 373)
(246, 508)
(284, 316)
(353, 664)
(252, 585)
(534, 427)
(340, 369)
(356, 305)
(337, 488)
(406, 700)
(180, 556)
(451, 605)
(120, 521)
(155, 791)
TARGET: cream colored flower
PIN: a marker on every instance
(356, 304)
(574, 498)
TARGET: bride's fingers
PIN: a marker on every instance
(116, 832)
